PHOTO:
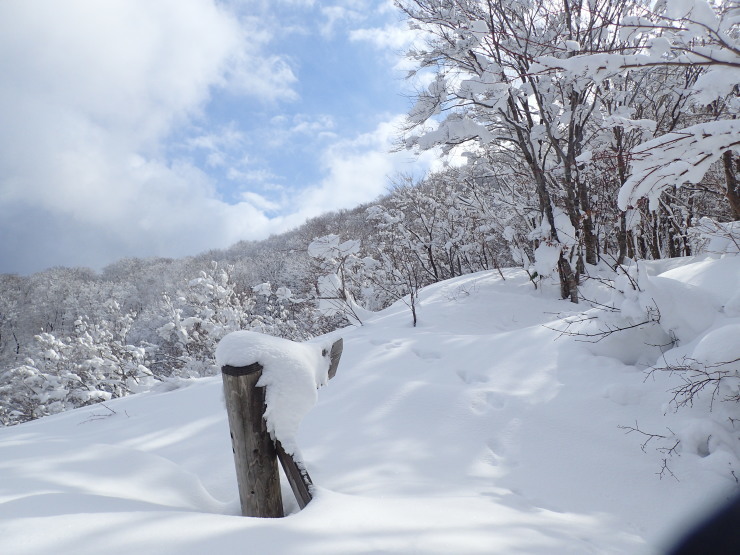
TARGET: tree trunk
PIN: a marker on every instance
(622, 234)
(590, 242)
(732, 168)
(589, 238)
(655, 237)
(568, 285)
(622, 238)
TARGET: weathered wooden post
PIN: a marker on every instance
(255, 453)
(335, 353)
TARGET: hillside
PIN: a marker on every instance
(481, 430)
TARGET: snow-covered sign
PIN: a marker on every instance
(281, 376)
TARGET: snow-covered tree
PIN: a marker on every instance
(333, 288)
(94, 363)
(486, 92)
(683, 34)
(197, 317)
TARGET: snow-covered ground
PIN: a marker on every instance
(479, 431)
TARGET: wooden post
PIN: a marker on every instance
(254, 451)
(297, 475)
(334, 355)
(255, 454)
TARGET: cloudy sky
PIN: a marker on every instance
(166, 128)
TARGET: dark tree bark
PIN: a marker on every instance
(732, 167)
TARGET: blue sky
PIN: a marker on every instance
(139, 128)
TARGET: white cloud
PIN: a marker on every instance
(260, 202)
(219, 144)
(312, 125)
(266, 77)
(89, 93)
(338, 15)
(393, 40)
(395, 37)
(225, 137)
(103, 111)
(298, 127)
(216, 160)
(358, 170)
(259, 176)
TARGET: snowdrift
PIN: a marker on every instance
(483, 430)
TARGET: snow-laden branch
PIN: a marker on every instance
(677, 158)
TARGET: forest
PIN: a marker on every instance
(594, 134)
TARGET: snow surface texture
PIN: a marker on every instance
(291, 372)
(479, 431)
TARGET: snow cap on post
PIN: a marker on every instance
(291, 374)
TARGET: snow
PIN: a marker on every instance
(330, 287)
(714, 83)
(264, 289)
(720, 345)
(329, 247)
(453, 130)
(676, 158)
(291, 373)
(696, 10)
(717, 277)
(720, 237)
(566, 231)
(546, 258)
(547, 253)
(481, 430)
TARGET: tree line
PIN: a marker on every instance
(594, 132)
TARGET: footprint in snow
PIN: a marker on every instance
(495, 400)
(469, 377)
(496, 446)
(388, 345)
(427, 355)
(483, 402)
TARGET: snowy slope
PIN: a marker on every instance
(479, 431)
